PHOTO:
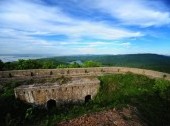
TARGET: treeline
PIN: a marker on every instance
(44, 64)
(144, 61)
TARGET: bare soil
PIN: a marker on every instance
(124, 117)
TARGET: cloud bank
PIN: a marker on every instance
(36, 26)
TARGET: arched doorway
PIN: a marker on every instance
(87, 98)
(51, 104)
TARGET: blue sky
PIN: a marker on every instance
(69, 27)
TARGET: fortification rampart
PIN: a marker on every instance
(96, 71)
(79, 89)
(74, 90)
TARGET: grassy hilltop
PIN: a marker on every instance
(149, 96)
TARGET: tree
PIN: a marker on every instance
(48, 65)
(74, 65)
(91, 64)
(1, 65)
(10, 66)
(28, 64)
(62, 66)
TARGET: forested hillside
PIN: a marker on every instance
(147, 61)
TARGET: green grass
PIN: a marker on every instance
(119, 88)
(151, 97)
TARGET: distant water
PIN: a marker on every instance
(11, 58)
(77, 61)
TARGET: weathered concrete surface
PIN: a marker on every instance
(80, 85)
(73, 90)
(96, 71)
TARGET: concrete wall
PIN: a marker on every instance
(73, 91)
(80, 72)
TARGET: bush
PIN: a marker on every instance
(162, 87)
(1, 65)
(48, 65)
(91, 64)
(74, 65)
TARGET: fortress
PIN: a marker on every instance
(70, 85)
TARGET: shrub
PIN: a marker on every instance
(162, 87)
(91, 64)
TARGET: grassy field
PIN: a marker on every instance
(151, 97)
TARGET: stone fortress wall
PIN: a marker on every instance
(75, 90)
(95, 71)
(83, 84)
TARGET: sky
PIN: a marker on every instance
(75, 27)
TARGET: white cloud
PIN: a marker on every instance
(134, 12)
(127, 44)
(43, 19)
(96, 44)
(20, 20)
(85, 50)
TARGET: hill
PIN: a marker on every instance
(149, 98)
(146, 61)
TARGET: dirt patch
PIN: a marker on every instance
(125, 117)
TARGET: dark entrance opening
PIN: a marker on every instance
(32, 74)
(51, 104)
(87, 98)
(51, 73)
